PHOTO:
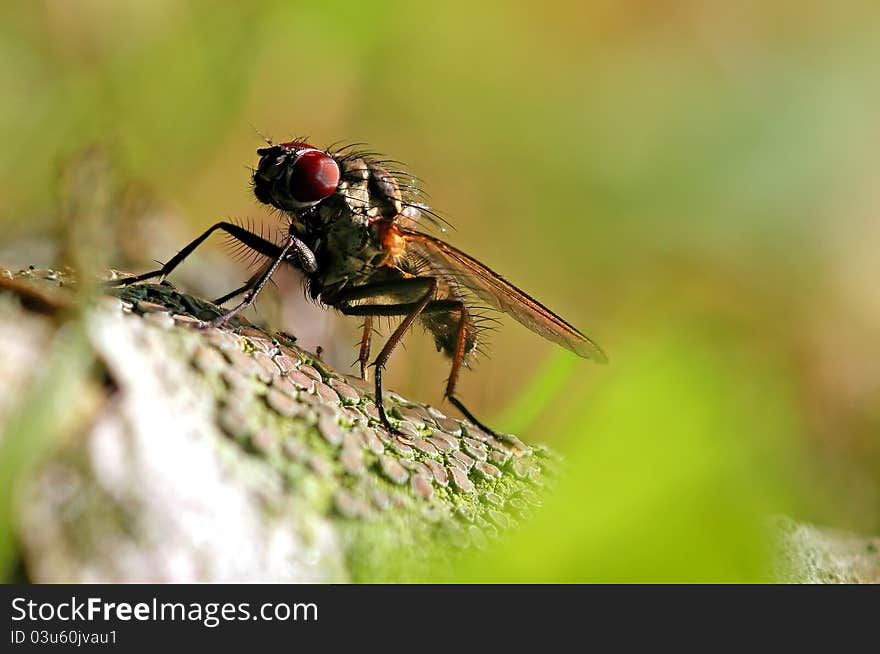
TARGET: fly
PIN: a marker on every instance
(354, 233)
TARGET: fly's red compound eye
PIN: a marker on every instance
(314, 176)
(298, 145)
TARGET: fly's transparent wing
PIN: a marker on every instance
(499, 293)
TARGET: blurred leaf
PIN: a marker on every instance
(672, 471)
(546, 385)
(45, 410)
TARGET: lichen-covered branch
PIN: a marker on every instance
(143, 449)
(812, 555)
(232, 454)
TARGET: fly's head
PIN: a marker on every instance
(295, 177)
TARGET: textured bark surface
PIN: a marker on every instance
(230, 454)
(143, 449)
(812, 555)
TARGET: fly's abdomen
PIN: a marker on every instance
(445, 328)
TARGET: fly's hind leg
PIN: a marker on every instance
(457, 359)
(470, 416)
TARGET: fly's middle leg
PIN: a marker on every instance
(412, 310)
(422, 287)
(366, 340)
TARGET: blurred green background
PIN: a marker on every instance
(694, 184)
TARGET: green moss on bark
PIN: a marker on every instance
(233, 454)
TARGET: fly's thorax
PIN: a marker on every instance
(386, 201)
(353, 190)
(351, 242)
(369, 190)
(347, 249)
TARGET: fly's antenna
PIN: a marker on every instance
(263, 137)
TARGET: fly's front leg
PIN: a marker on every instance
(293, 251)
(250, 239)
(248, 285)
(299, 255)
